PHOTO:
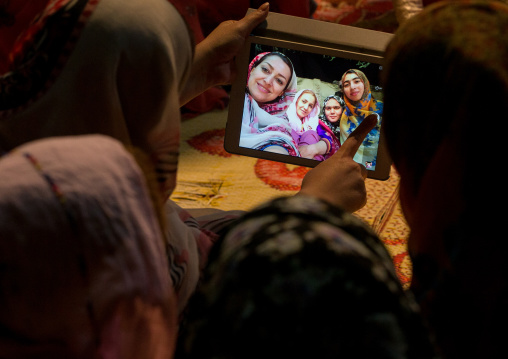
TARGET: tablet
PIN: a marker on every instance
(302, 87)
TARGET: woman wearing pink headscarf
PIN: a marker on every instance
(303, 118)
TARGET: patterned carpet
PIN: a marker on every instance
(209, 177)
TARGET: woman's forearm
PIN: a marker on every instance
(214, 57)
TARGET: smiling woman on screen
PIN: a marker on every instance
(359, 104)
(271, 87)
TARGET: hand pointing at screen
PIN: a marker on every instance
(340, 180)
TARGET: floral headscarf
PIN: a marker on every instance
(354, 114)
(265, 125)
(281, 104)
(449, 151)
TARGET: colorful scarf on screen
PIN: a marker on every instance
(334, 127)
(265, 125)
(353, 115)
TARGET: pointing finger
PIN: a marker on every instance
(355, 139)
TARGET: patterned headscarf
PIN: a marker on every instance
(354, 114)
(446, 91)
(334, 127)
(297, 277)
(56, 70)
(280, 104)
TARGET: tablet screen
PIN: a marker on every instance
(299, 104)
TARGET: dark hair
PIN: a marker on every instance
(307, 91)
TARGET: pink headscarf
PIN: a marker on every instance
(309, 122)
(84, 266)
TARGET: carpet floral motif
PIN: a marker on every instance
(210, 177)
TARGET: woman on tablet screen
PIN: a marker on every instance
(302, 115)
(271, 87)
(359, 104)
(329, 121)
